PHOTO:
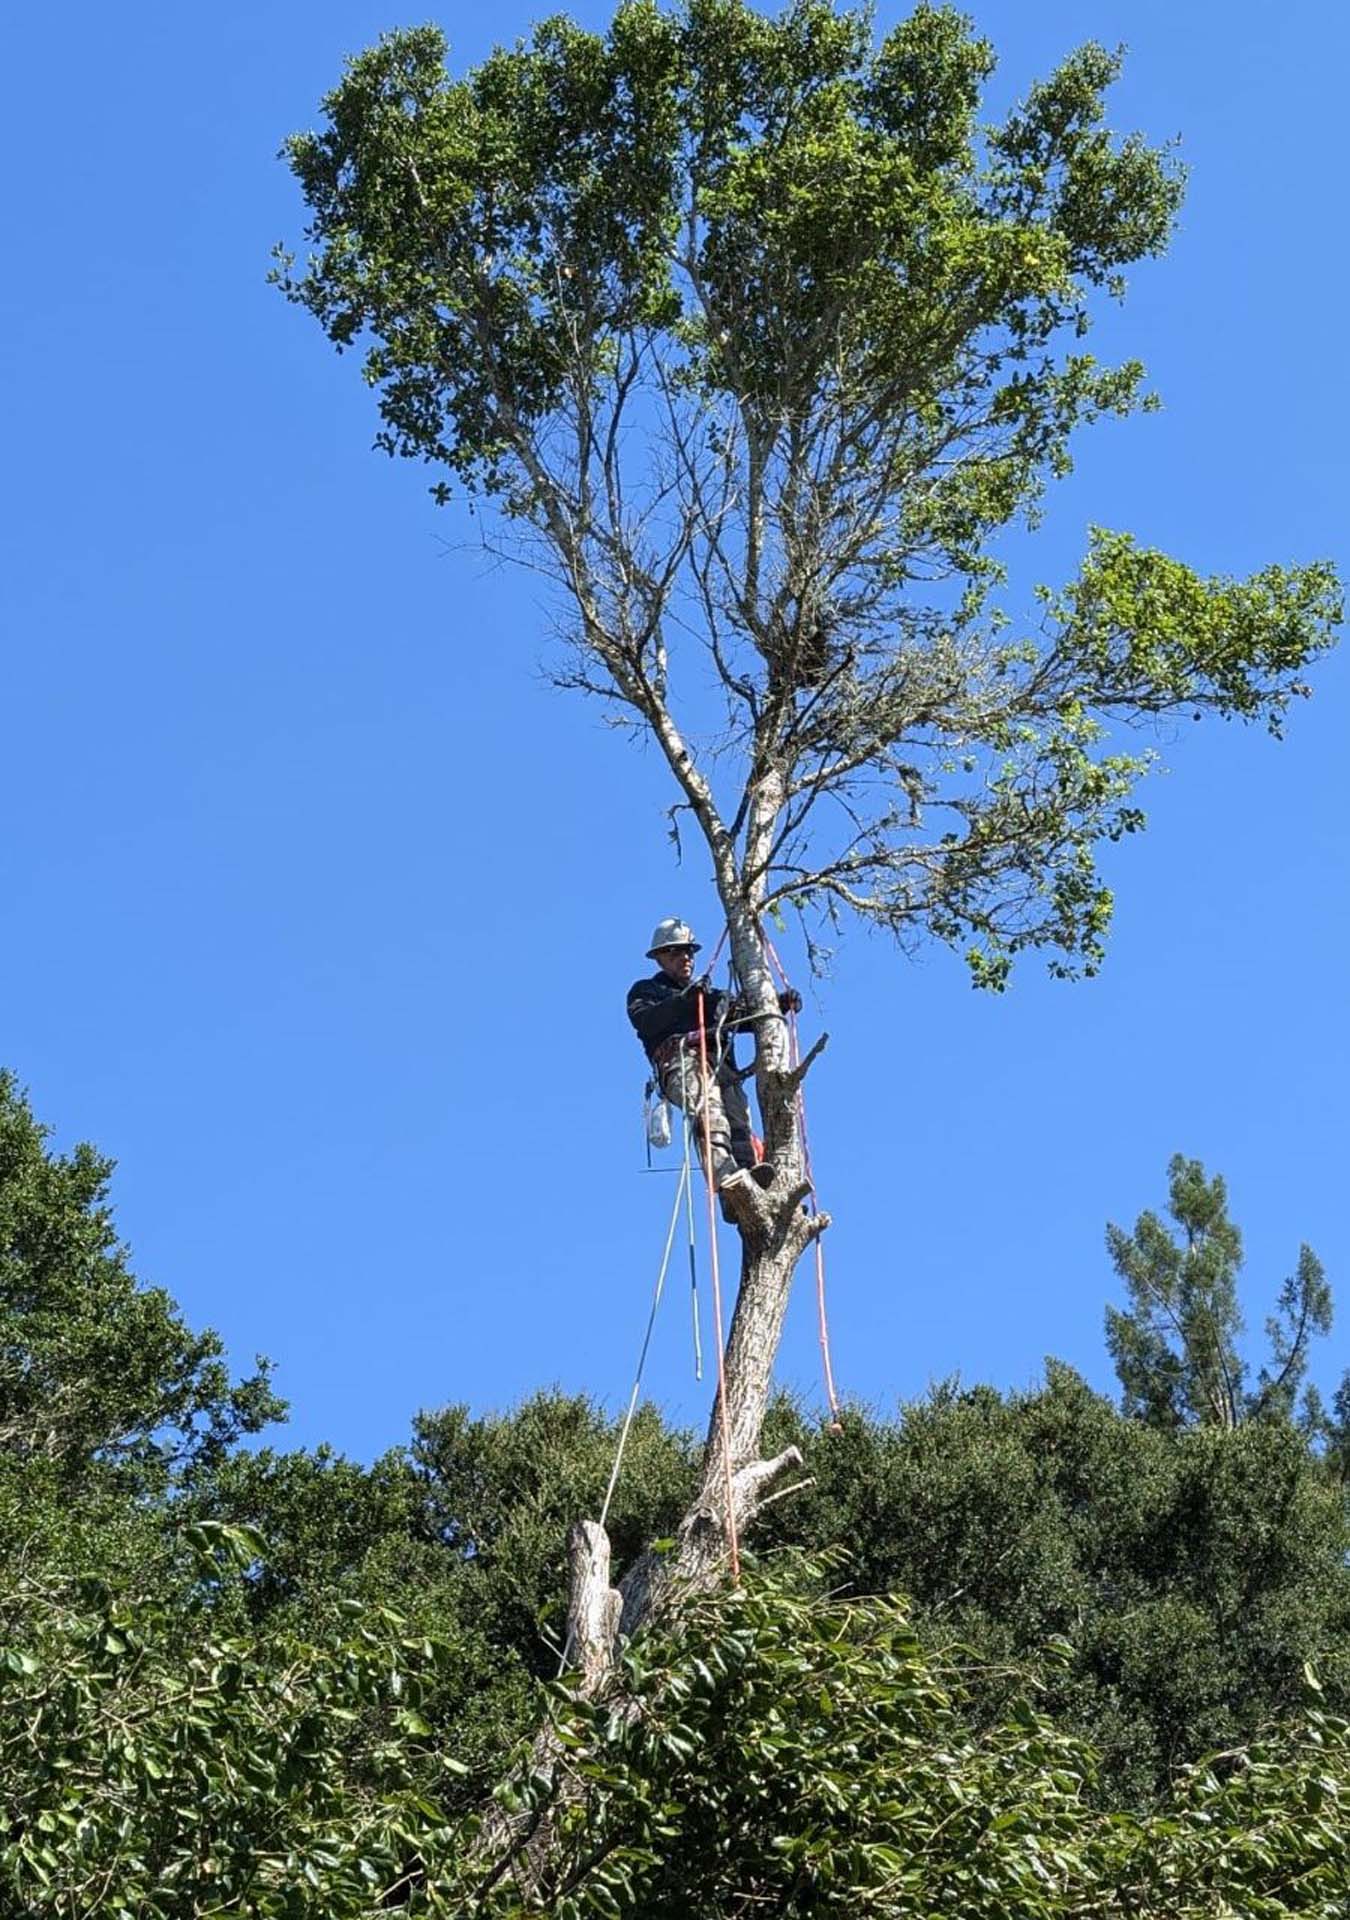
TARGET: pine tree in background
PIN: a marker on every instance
(1175, 1346)
(97, 1374)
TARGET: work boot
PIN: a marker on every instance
(731, 1194)
(736, 1182)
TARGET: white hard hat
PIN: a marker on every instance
(671, 933)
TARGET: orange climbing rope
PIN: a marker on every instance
(795, 1054)
(732, 1542)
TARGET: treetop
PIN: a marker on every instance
(760, 339)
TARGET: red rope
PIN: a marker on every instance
(822, 1322)
(732, 1541)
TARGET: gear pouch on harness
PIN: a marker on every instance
(656, 1115)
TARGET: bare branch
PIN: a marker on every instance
(798, 1073)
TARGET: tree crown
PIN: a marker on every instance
(97, 1374)
(761, 340)
(1176, 1345)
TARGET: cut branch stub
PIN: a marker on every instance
(593, 1606)
(701, 1544)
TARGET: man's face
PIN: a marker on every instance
(678, 962)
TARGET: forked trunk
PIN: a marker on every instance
(773, 1227)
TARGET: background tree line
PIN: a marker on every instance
(987, 1652)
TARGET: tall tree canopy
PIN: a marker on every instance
(760, 340)
(766, 341)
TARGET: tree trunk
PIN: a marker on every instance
(774, 1228)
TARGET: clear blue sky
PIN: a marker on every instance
(320, 905)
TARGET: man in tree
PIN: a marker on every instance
(667, 1010)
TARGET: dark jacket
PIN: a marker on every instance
(660, 1008)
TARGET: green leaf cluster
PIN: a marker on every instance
(158, 1760)
(778, 1753)
(1187, 1575)
(100, 1379)
(775, 204)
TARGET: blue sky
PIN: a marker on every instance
(320, 904)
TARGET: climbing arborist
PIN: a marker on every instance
(665, 1011)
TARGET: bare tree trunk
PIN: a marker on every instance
(774, 1228)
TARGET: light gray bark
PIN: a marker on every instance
(773, 1228)
(621, 593)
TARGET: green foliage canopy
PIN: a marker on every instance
(1190, 1574)
(761, 341)
(788, 1757)
(97, 1374)
(158, 1762)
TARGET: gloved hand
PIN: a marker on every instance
(789, 1001)
(703, 985)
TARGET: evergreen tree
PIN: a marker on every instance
(99, 1375)
(1176, 1345)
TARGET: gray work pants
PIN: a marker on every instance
(728, 1112)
